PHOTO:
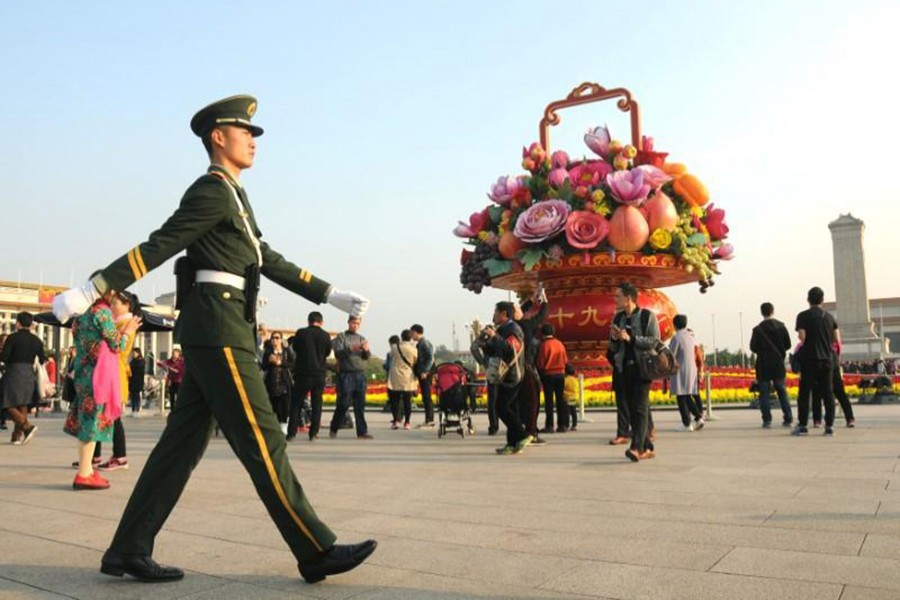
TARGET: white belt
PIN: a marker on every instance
(207, 276)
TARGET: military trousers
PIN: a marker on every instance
(221, 385)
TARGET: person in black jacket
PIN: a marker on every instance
(507, 344)
(136, 380)
(529, 318)
(769, 341)
(424, 369)
(312, 346)
(19, 380)
(278, 366)
(819, 333)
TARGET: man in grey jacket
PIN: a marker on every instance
(352, 351)
(633, 331)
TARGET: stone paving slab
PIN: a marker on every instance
(731, 512)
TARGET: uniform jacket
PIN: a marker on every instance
(208, 224)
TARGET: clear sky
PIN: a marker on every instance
(386, 123)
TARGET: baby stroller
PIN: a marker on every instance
(453, 410)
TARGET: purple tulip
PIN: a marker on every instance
(558, 177)
(597, 139)
(628, 187)
(542, 220)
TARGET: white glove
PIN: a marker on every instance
(74, 302)
(349, 302)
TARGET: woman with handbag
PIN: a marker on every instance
(23, 354)
(402, 381)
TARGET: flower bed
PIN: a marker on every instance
(728, 385)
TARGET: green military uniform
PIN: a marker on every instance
(222, 382)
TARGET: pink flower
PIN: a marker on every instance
(477, 222)
(597, 139)
(589, 173)
(715, 223)
(724, 252)
(558, 177)
(559, 160)
(541, 221)
(628, 187)
(503, 191)
(655, 176)
(584, 230)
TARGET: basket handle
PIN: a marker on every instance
(585, 94)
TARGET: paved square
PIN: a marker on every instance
(732, 512)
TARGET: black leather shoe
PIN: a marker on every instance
(139, 566)
(339, 559)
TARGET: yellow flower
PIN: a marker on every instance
(483, 235)
(603, 208)
(660, 239)
(629, 151)
(597, 196)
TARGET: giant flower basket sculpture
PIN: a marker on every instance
(581, 227)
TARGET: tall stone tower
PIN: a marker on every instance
(851, 295)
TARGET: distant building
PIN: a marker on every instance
(16, 297)
(885, 317)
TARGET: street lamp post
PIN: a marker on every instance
(741, 325)
(715, 348)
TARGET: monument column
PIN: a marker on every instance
(851, 295)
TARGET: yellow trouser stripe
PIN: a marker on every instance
(133, 264)
(264, 449)
(140, 260)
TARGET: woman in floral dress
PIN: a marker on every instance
(88, 420)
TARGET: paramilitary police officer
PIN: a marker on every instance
(218, 282)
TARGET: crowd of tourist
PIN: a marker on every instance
(520, 355)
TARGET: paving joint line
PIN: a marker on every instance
(36, 587)
(720, 559)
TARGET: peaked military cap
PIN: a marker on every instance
(234, 110)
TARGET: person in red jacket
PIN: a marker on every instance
(551, 366)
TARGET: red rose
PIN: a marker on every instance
(584, 230)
